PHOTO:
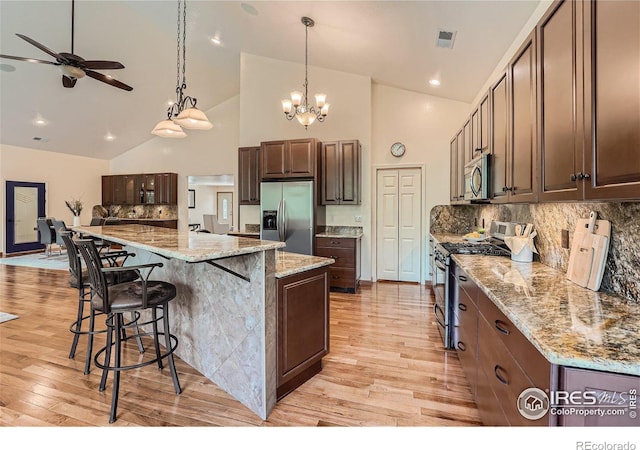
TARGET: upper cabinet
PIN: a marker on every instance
(611, 38)
(521, 173)
(249, 175)
(559, 82)
(288, 159)
(453, 177)
(340, 173)
(499, 139)
(140, 189)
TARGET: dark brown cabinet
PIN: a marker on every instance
(611, 37)
(465, 325)
(288, 159)
(499, 137)
(345, 272)
(249, 175)
(140, 189)
(302, 327)
(340, 173)
(522, 177)
(560, 145)
(479, 129)
(453, 176)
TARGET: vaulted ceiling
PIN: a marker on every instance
(393, 42)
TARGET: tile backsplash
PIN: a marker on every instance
(622, 273)
(169, 212)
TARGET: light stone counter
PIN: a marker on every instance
(292, 263)
(224, 314)
(570, 325)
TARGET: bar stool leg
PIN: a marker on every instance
(76, 335)
(116, 373)
(87, 363)
(167, 343)
(137, 331)
(156, 338)
(111, 329)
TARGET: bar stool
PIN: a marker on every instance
(115, 300)
(79, 279)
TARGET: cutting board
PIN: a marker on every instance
(588, 254)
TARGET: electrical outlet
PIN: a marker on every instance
(564, 238)
(358, 218)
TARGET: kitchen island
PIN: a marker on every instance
(225, 312)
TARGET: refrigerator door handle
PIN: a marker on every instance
(280, 223)
(284, 221)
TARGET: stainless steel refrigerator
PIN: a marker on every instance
(286, 209)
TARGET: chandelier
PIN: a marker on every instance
(183, 112)
(298, 106)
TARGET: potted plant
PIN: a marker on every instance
(75, 206)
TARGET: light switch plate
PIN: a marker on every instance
(358, 218)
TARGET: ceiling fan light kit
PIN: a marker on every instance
(183, 113)
(74, 67)
(298, 106)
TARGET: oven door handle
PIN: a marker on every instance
(437, 308)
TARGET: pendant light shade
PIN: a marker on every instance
(183, 113)
(193, 119)
(168, 129)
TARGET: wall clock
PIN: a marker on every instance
(398, 149)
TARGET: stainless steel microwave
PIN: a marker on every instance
(477, 174)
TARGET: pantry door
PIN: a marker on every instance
(399, 221)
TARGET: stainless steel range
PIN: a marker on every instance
(443, 308)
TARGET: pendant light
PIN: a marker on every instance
(298, 106)
(183, 113)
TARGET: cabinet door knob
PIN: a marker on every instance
(587, 176)
(334, 257)
(461, 346)
(574, 177)
(462, 307)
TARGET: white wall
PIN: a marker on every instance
(425, 124)
(207, 202)
(66, 176)
(264, 82)
(211, 152)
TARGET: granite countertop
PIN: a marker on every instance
(292, 263)
(185, 245)
(341, 235)
(570, 325)
(338, 231)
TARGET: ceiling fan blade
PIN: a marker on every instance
(106, 79)
(20, 58)
(68, 82)
(41, 47)
(102, 65)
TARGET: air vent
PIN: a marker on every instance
(40, 139)
(445, 38)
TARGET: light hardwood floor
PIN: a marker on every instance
(386, 367)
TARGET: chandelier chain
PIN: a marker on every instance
(306, 70)
(184, 45)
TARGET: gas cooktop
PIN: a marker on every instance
(494, 248)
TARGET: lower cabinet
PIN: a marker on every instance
(302, 327)
(500, 363)
(345, 273)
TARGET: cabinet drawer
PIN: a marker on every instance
(335, 242)
(344, 257)
(466, 348)
(504, 375)
(489, 407)
(533, 363)
(342, 278)
(465, 282)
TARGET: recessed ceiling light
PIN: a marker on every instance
(249, 9)
(40, 121)
(170, 102)
(109, 137)
(7, 68)
(434, 82)
(216, 40)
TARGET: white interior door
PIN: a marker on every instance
(387, 225)
(398, 225)
(409, 224)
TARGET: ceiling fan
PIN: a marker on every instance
(73, 66)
